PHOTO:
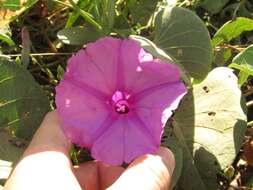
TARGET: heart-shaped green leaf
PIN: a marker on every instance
(23, 104)
(182, 35)
(210, 125)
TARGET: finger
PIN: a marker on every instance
(87, 175)
(97, 175)
(149, 172)
(49, 136)
(108, 174)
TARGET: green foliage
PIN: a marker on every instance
(73, 16)
(222, 56)
(210, 125)
(16, 4)
(141, 10)
(243, 62)
(23, 104)
(78, 35)
(4, 37)
(11, 9)
(86, 15)
(150, 47)
(173, 143)
(213, 6)
(231, 30)
(105, 14)
(182, 35)
(206, 131)
(250, 183)
(9, 155)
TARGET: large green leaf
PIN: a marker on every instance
(231, 30)
(210, 125)
(22, 101)
(182, 35)
(78, 35)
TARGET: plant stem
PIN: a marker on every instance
(36, 54)
(249, 103)
(250, 124)
(87, 16)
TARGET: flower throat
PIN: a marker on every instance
(119, 103)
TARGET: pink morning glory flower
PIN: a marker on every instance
(115, 99)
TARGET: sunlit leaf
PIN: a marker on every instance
(210, 125)
(244, 61)
(231, 30)
(4, 37)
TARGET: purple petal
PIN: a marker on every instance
(104, 54)
(154, 106)
(122, 142)
(82, 113)
(141, 71)
(96, 65)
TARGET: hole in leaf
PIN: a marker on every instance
(205, 88)
(211, 113)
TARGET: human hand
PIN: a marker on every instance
(46, 165)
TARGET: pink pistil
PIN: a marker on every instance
(119, 103)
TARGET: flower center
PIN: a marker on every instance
(119, 102)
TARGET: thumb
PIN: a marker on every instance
(148, 172)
